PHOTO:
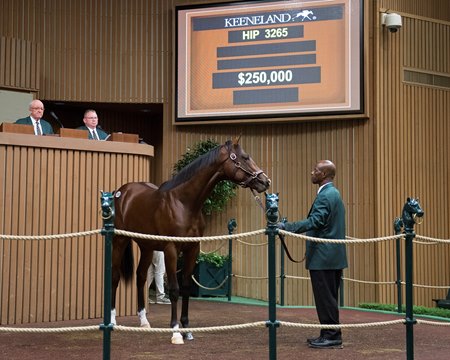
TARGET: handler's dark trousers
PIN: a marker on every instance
(325, 284)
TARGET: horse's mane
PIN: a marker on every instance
(191, 169)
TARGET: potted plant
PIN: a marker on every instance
(211, 272)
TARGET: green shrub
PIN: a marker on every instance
(417, 310)
(213, 258)
(222, 192)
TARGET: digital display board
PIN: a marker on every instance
(245, 60)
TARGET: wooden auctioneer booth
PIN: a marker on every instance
(51, 185)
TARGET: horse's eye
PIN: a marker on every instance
(245, 157)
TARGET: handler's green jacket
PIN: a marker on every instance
(326, 219)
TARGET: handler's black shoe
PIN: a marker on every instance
(310, 340)
(323, 343)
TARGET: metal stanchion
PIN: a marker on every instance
(231, 227)
(398, 225)
(107, 202)
(272, 231)
(411, 212)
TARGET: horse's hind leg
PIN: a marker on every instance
(141, 278)
(119, 246)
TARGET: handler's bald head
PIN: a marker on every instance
(328, 168)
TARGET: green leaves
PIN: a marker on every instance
(222, 192)
(213, 258)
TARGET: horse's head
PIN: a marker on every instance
(412, 212)
(241, 169)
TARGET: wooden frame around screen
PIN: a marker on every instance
(223, 74)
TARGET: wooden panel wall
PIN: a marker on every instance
(19, 64)
(46, 191)
(98, 51)
(412, 141)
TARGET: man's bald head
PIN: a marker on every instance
(323, 172)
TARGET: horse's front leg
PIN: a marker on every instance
(190, 258)
(170, 258)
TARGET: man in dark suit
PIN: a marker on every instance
(324, 260)
(41, 127)
(90, 120)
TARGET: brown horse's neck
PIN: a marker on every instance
(194, 192)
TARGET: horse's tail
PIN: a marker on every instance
(127, 263)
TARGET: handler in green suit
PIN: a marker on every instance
(325, 261)
(41, 127)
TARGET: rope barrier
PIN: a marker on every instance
(371, 282)
(424, 243)
(297, 277)
(343, 326)
(251, 277)
(237, 237)
(187, 239)
(429, 286)
(208, 288)
(210, 329)
(347, 240)
(198, 330)
(341, 241)
(435, 323)
(250, 244)
(49, 330)
(213, 251)
(420, 237)
(50, 237)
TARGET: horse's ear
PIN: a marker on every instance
(236, 139)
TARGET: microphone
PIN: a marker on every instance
(52, 113)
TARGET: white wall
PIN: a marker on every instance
(14, 105)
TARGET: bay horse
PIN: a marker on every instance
(174, 209)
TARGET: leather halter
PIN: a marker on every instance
(253, 175)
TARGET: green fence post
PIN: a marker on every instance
(282, 275)
(411, 211)
(107, 203)
(231, 226)
(398, 225)
(282, 269)
(272, 231)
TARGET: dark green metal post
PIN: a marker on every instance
(410, 321)
(231, 226)
(108, 232)
(398, 224)
(411, 212)
(272, 231)
(282, 275)
(282, 269)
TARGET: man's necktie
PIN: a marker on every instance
(38, 128)
(94, 135)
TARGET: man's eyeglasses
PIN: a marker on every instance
(37, 108)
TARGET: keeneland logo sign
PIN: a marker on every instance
(267, 19)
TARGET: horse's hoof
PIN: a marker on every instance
(177, 339)
(188, 336)
(147, 326)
